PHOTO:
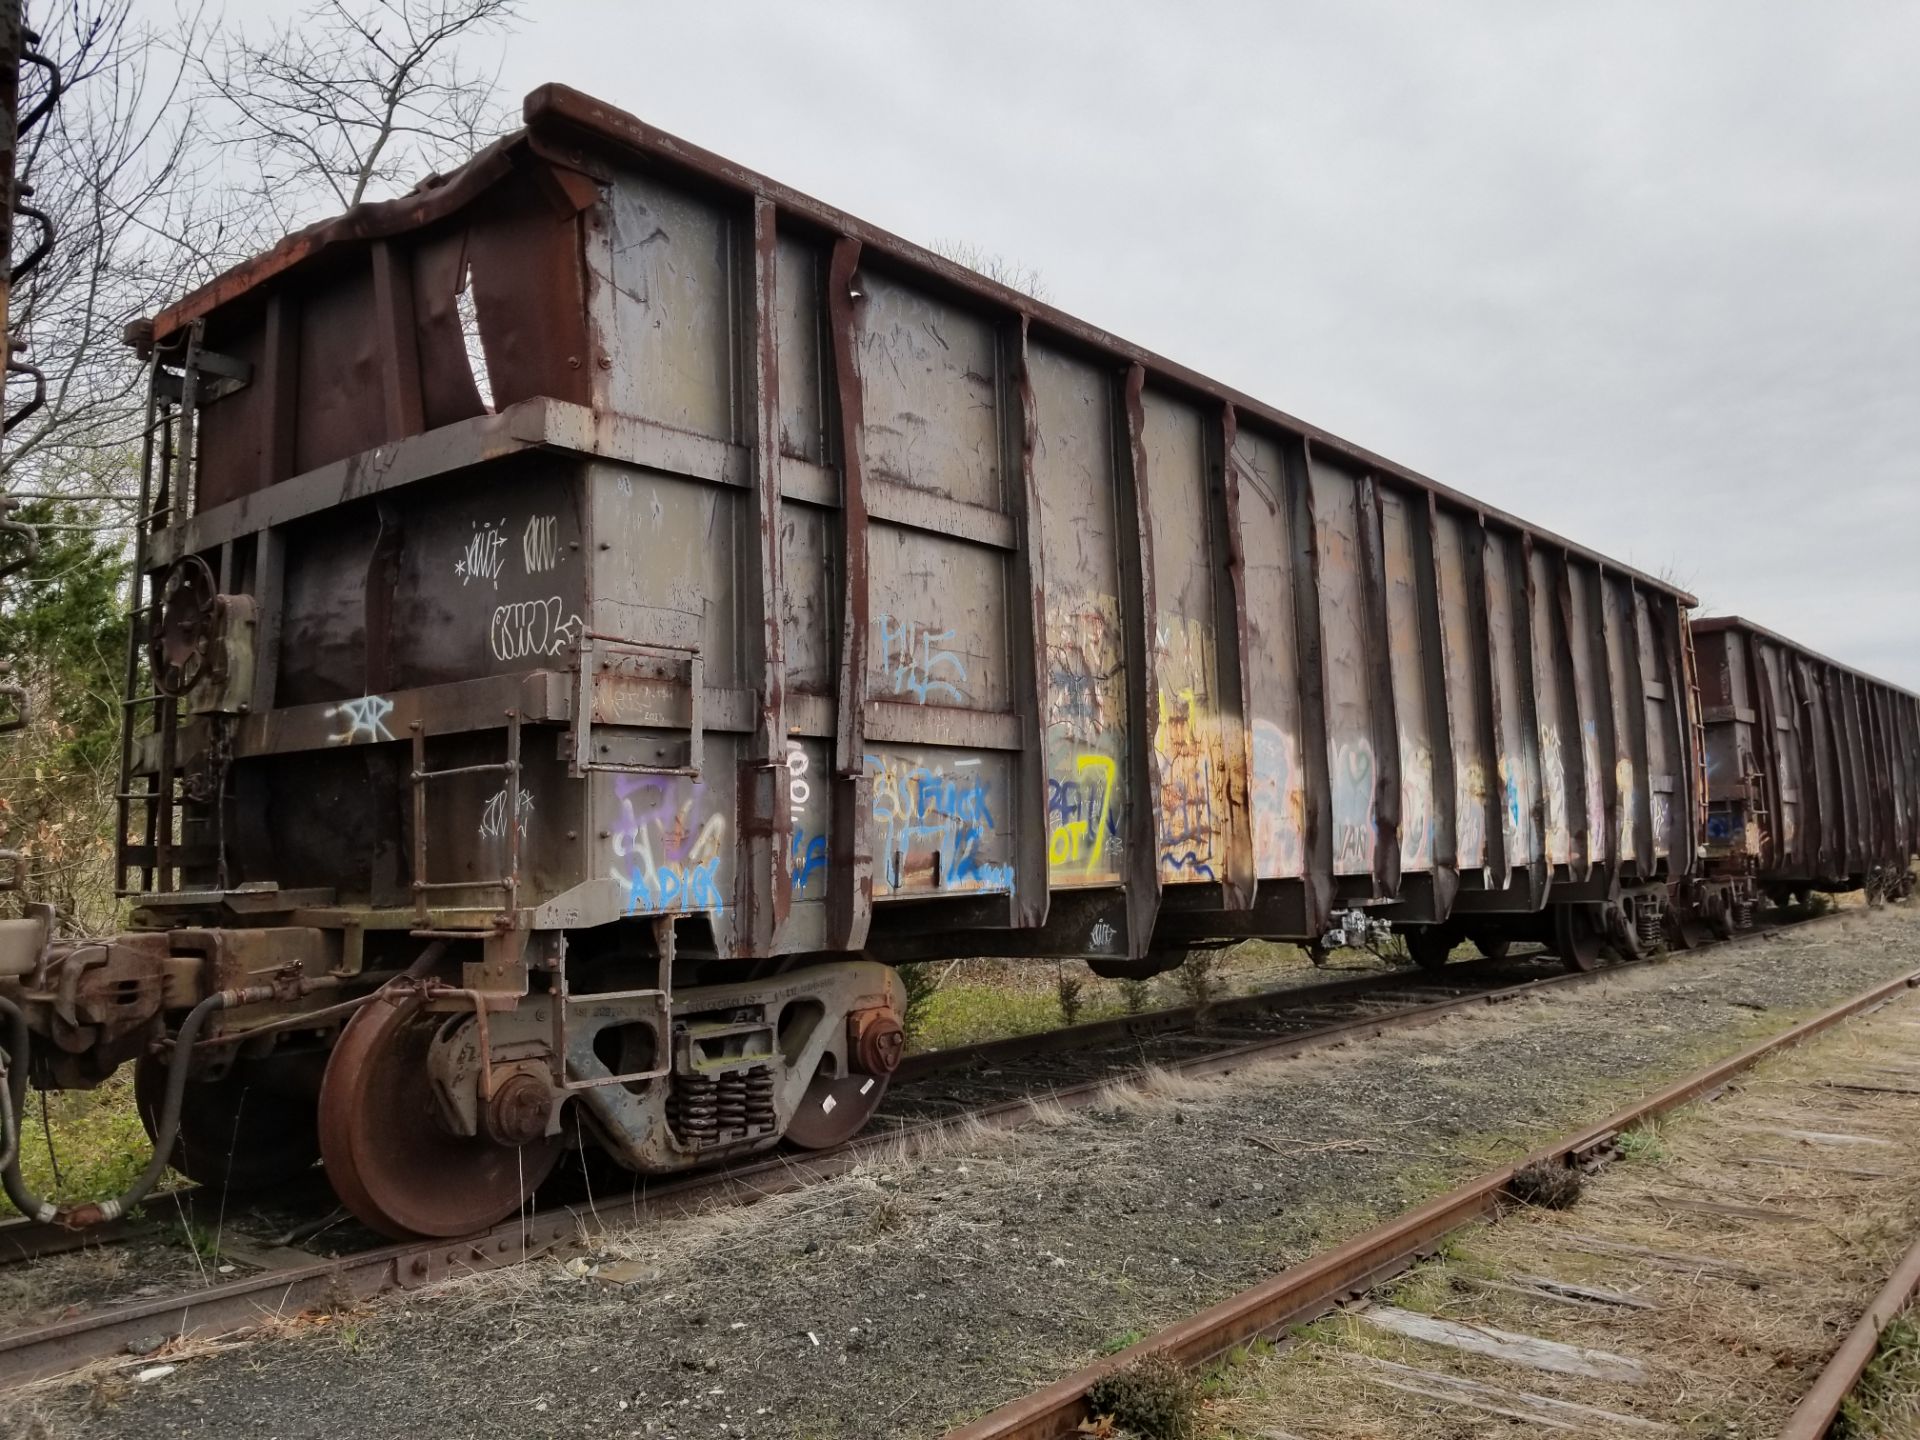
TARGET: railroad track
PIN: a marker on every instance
(934, 1081)
(1311, 1289)
(998, 1083)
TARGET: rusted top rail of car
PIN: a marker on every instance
(563, 125)
(1714, 624)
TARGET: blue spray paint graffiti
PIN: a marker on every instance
(665, 852)
(806, 857)
(915, 665)
(934, 826)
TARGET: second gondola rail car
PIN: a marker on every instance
(624, 593)
(1813, 768)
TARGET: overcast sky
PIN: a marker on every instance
(1647, 274)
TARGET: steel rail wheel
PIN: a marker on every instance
(1430, 946)
(839, 1102)
(1576, 938)
(835, 1109)
(252, 1128)
(390, 1158)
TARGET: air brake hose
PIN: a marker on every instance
(13, 1097)
(98, 1212)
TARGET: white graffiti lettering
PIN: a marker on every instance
(484, 559)
(540, 545)
(493, 815)
(532, 627)
(798, 790)
(365, 719)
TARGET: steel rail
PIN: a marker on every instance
(1315, 1286)
(1817, 1410)
(259, 1299)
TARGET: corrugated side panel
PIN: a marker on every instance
(1518, 766)
(1403, 536)
(1463, 637)
(1086, 731)
(943, 813)
(1588, 651)
(1188, 736)
(1345, 659)
(1279, 785)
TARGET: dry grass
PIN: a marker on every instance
(1727, 1357)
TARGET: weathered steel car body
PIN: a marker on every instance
(621, 593)
(1813, 769)
(855, 601)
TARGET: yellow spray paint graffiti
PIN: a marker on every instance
(1079, 814)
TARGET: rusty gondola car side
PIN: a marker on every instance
(1813, 768)
(620, 593)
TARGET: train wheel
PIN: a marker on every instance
(1494, 947)
(252, 1128)
(1576, 939)
(390, 1158)
(1429, 945)
(841, 1099)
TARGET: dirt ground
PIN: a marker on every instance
(912, 1295)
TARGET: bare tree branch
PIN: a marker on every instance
(996, 267)
(353, 100)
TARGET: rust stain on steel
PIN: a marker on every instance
(372, 220)
(1242, 882)
(1033, 887)
(1143, 683)
(1446, 784)
(850, 872)
(1304, 1291)
(1317, 836)
(1568, 642)
(562, 108)
(1380, 697)
(1539, 860)
(764, 802)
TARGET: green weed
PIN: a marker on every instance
(1068, 986)
(1642, 1142)
(99, 1145)
(1886, 1402)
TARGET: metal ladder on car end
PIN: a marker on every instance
(418, 778)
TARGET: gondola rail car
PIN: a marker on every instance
(1813, 769)
(604, 609)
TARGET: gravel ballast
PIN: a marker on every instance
(912, 1295)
